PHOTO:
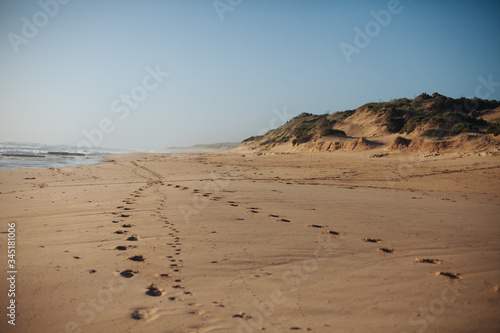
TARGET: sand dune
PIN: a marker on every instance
(244, 242)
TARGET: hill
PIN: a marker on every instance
(425, 123)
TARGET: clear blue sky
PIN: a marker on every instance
(226, 76)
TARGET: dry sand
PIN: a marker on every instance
(242, 242)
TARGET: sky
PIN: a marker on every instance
(154, 74)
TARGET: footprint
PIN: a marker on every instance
(128, 273)
(133, 238)
(120, 232)
(121, 248)
(154, 291)
(371, 240)
(284, 220)
(233, 205)
(272, 215)
(137, 258)
(254, 211)
(127, 226)
(316, 226)
(428, 261)
(449, 275)
(331, 232)
(125, 215)
(386, 250)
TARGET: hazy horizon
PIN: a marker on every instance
(123, 74)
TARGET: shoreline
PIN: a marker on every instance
(237, 241)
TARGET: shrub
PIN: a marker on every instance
(477, 121)
(266, 142)
(252, 138)
(303, 133)
(332, 132)
(304, 137)
(283, 139)
(494, 129)
(395, 124)
(339, 116)
(418, 119)
(463, 128)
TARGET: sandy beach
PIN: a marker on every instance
(244, 242)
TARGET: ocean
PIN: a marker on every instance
(30, 155)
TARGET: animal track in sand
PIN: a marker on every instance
(127, 226)
(273, 215)
(428, 261)
(284, 220)
(125, 215)
(121, 248)
(386, 250)
(121, 232)
(371, 240)
(128, 273)
(137, 258)
(133, 238)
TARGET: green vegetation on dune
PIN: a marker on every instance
(431, 115)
